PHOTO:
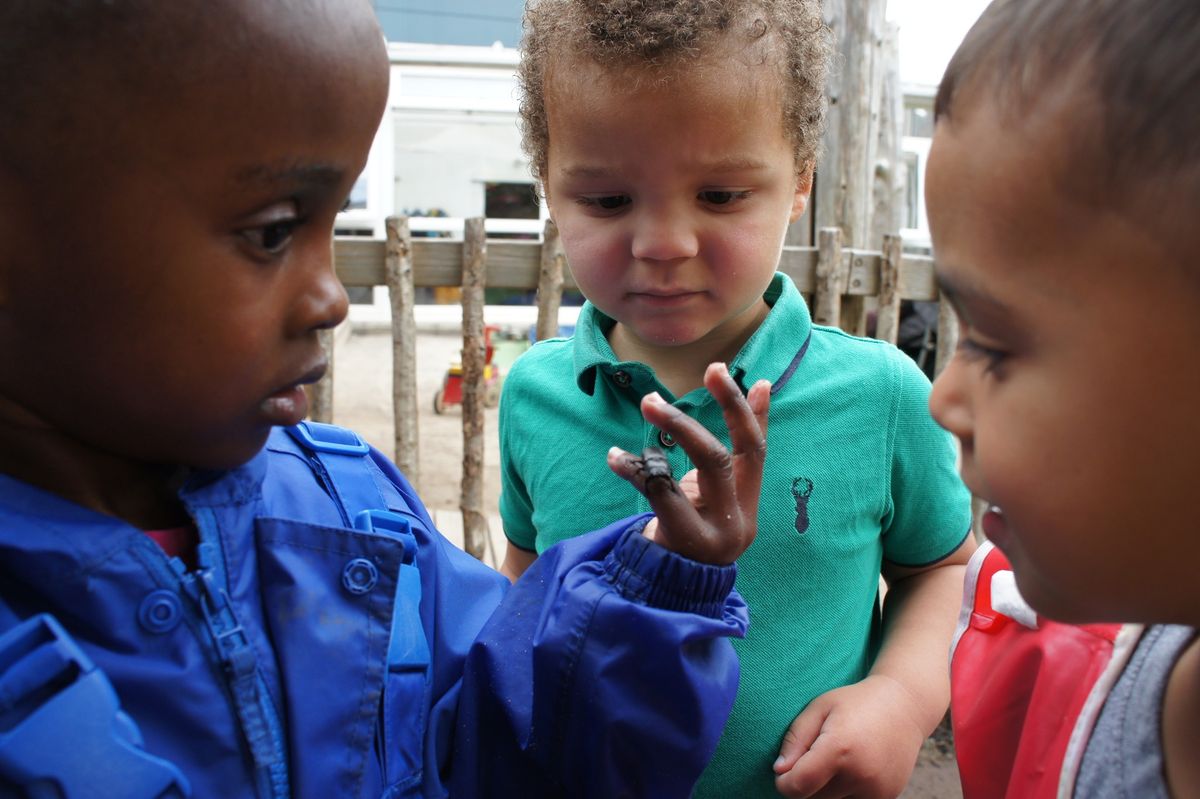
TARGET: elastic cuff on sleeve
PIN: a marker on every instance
(645, 572)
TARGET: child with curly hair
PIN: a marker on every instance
(675, 142)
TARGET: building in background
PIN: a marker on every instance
(917, 135)
(477, 23)
(449, 145)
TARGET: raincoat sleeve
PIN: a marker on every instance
(605, 671)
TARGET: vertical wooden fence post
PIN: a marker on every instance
(847, 166)
(550, 282)
(887, 323)
(947, 334)
(475, 532)
(320, 394)
(831, 277)
(398, 269)
(887, 215)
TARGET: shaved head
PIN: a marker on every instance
(77, 76)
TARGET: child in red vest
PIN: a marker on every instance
(1063, 188)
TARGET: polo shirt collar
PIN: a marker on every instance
(772, 353)
(775, 350)
(591, 348)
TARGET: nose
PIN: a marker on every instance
(948, 400)
(321, 301)
(665, 236)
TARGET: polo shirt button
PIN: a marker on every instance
(359, 576)
(160, 612)
(622, 378)
(666, 439)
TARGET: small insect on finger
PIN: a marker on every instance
(653, 470)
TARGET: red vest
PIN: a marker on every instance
(1025, 691)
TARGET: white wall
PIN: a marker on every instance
(444, 158)
(454, 115)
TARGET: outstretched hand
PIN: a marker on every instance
(711, 515)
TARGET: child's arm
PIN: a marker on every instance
(516, 561)
(604, 671)
(863, 739)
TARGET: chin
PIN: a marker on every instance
(225, 454)
(1066, 607)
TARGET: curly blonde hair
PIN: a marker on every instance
(661, 35)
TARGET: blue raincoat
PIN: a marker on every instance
(306, 658)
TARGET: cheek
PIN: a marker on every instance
(1041, 462)
(753, 241)
(596, 252)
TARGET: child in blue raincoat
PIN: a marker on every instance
(199, 593)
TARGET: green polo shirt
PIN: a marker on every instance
(856, 472)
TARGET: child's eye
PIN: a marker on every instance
(722, 196)
(608, 202)
(273, 237)
(992, 358)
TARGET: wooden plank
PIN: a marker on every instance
(830, 278)
(398, 264)
(854, 306)
(917, 279)
(947, 335)
(438, 262)
(474, 276)
(887, 323)
(550, 282)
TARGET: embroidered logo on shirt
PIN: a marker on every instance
(801, 489)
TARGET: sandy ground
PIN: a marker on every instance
(362, 401)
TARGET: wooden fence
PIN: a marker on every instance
(828, 275)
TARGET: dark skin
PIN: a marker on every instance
(164, 276)
(711, 516)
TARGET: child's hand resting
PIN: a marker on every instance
(711, 515)
(860, 740)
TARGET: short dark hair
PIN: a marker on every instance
(1139, 60)
(64, 64)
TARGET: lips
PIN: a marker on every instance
(289, 405)
(664, 297)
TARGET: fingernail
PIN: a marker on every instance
(655, 398)
(779, 761)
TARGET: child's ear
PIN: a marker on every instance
(804, 181)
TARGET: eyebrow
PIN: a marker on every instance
(970, 300)
(290, 174)
(734, 164)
